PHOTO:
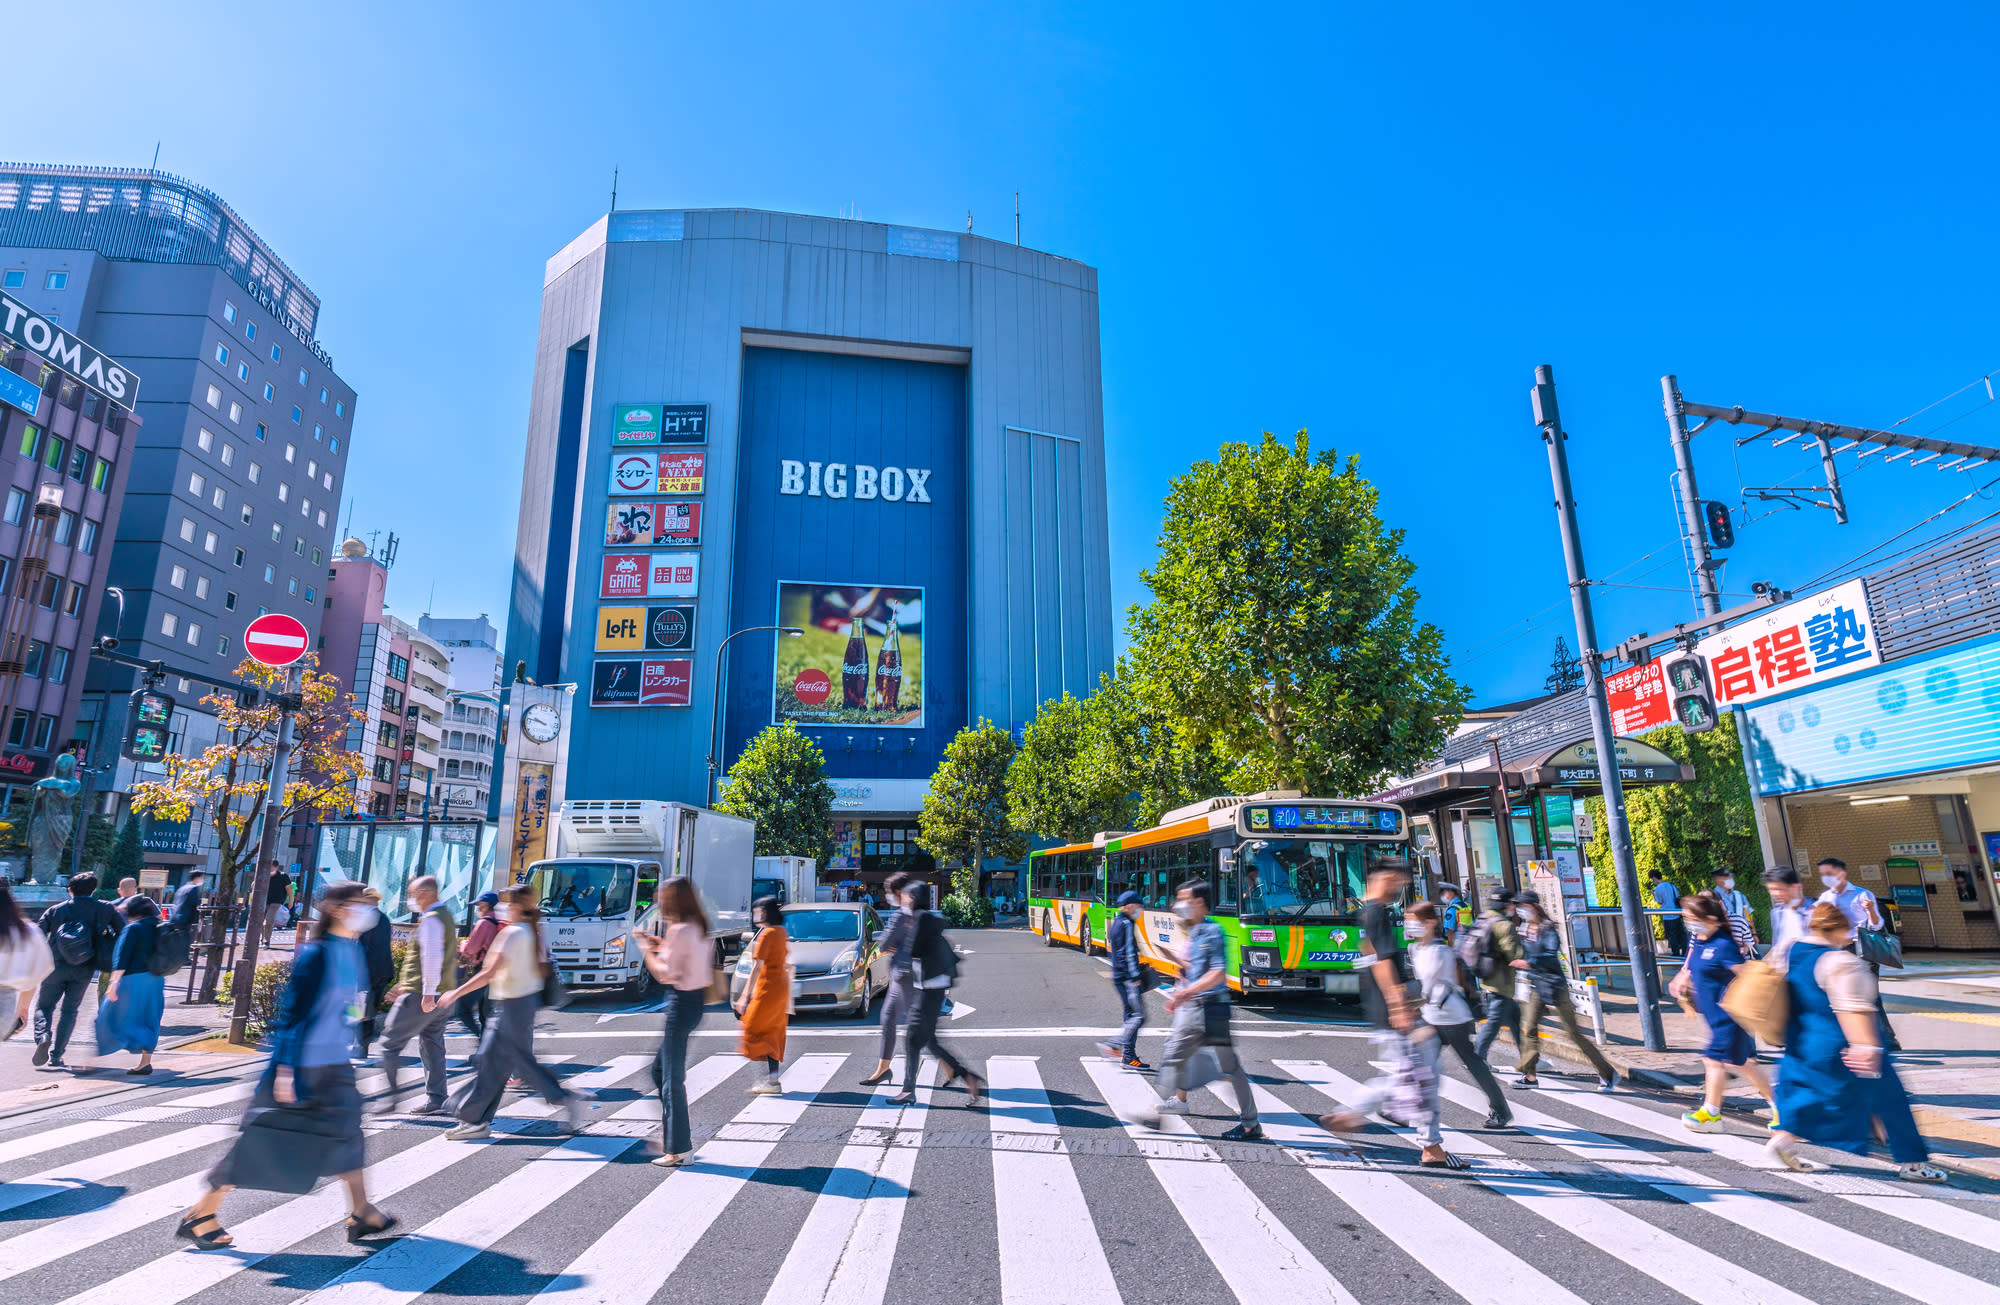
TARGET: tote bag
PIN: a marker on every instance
(1759, 1000)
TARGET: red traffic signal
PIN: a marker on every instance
(1721, 531)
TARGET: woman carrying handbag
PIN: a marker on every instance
(305, 1121)
(937, 967)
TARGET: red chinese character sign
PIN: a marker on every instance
(1797, 646)
(276, 639)
(1639, 700)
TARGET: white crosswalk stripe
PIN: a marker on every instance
(1053, 1246)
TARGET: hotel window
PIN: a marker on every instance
(187, 529)
(178, 577)
(261, 432)
(270, 573)
(247, 514)
(326, 481)
(322, 394)
(284, 492)
(100, 474)
(170, 624)
(79, 465)
(222, 355)
(340, 407)
(298, 545)
(249, 330)
(256, 472)
(298, 414)
(270, 391)
(17, 503)
(333, 445)
(302, 376)
(16, 278)
(228, 311)
(235, 412)
(277, 533)
(309, 593)
(218, 497)
(194, 632)
(44, 731)
(51, 592)
(205, 438)
(312, 469)
(292, 584)
(197, 484)
(215, 396)
(201, 586)
(37, 650)
(17, 733)
(242, 371)
(305, 507)
(31, 440)
(222, 645)
(317, 556)
(291, 453)
(86, 543)
(65, 526)
(319, 431)
(73, 601)
(52, 457)
(228, 455)
(56, 281)
(275, 353)
(229, 601)
(239, 557)
(59, 666)
(322, 516)
(209, 542)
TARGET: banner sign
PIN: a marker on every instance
(531, 817)
(642, 682)
(682, 472)
(674, 575)
(860, 662)
(635, 423)
(1825, 637)
(20, 391)
(643, 525)
(1639, 699)
(633, 472)
(38, 334)
(664, 628)
(624, 576)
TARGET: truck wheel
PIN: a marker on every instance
(645, 987)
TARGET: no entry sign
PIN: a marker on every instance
(276, 639)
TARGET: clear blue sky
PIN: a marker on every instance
(1371, 222)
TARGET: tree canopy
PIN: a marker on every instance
(780, 782)
(1067, 780)
(965, 813)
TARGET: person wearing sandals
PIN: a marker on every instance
(1834, 1078)
(679, 960)
(766, 1002)
(937, 966)
(128, 1015)
(310, 1070)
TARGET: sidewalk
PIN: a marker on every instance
(1945, 1008)
(24, 1088)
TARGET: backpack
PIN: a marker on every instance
(1475, 948)
(73, 942)
(170, 950)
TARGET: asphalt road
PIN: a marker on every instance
(829, 1194)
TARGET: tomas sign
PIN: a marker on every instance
(38, 334)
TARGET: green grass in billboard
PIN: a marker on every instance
(817, 684)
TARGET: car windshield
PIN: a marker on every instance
(823, 926)
(569, 889)
(1307, 879)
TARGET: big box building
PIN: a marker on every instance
(888, 438)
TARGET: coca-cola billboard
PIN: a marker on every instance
(861, 659)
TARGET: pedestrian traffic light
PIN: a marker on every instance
(1687, 684)
(1721, 531)
(148, 716)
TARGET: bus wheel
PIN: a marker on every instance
(1085, 936)
(1048, 930)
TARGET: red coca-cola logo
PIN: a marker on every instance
(811, 687)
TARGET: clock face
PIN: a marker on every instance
(541, 722)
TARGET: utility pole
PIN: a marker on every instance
(260, 877)
(1707, 592)
(1638, 929)
(1503, 823)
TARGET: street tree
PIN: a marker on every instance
(1162, 764)
(780, 782)
(1066, 781)
(127, 856)
(224, 784)
(1283, 630)
(964, 819)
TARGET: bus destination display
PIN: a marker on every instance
(1316, 819)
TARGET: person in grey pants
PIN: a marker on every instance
(429, 965)
(1199, 1004)
(900, 1000)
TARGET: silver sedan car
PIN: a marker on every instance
(836, 964)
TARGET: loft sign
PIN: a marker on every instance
(830, 480)
(286, 320)
(29, 329)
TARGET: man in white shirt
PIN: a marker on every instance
(430, 966)
(1789, 908)
(1863, 912)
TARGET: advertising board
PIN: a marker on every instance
(1639, 699)
(635, 423)
(861, 659)
(641, 682)
(673, 575)
(677, 525)
(633, 472)
(629, 525)
(1797, 646)
(624, 576)
(683, 423)
(531, 817)
(682, 471)
(657, 628)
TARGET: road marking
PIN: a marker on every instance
(73, 1233)
(1686, 1268)
(844, 1251)
(703, 1077)
(64, 1178)
(1050, 1253)
(1254, 1253)
(634, 1258)
(56, 1138)
(1749, 1154)
(959, 1010)
(412, 1265)
(1095, 1034)
(611, 1072)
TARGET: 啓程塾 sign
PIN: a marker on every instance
(1797, 646)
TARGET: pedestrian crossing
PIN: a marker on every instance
(831, 1191)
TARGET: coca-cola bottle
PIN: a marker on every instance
(854, 667)
(889, 670)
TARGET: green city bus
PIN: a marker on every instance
(1287, 873)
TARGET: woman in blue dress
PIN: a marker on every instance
(1834, 1078)
(135, 998)
(1713, 958)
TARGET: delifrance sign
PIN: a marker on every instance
(642, 682)
(1825, 637)
(29, 329)
(830, 480)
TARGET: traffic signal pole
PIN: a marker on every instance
(244, 975)
(1638, 928)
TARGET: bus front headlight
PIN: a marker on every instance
(1260, 959)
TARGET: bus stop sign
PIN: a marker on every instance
(276, 639)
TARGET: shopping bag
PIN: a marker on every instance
(285, 1148)
(1759, 1000)
(1880, 947)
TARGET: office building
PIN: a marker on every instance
(465, 782)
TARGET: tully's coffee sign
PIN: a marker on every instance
(30, 329)
(833, 480)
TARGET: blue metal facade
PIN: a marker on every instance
(971, 358)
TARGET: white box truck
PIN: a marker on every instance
(790, 879)
(601, 882)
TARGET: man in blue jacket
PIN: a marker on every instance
(1122, 937)
(81, 933)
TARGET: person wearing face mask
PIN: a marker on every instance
(1121, 938)
(1862, 912)
(1713, 961)
(309, 1069)
(1200, 1006)
(1736, 905)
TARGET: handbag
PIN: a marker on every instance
(1880, 948)
(1759, 999)
(1215, 1024)
(285, 1148)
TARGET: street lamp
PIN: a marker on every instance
(715, 712)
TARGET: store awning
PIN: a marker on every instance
(1570, 766)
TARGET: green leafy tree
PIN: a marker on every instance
(1162, 764)
(1283, 631)
(1687, 830)
(965, 814)
(780, 782)
(127, 856)
(1066, 781)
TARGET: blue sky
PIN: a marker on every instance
(1370, 221)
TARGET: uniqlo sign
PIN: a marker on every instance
(674, 575)
(1797, 646)
(1639, 699)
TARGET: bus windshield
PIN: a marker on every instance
(570, 889)
(1307, 879)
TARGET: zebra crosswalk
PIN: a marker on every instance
(1049, 1193)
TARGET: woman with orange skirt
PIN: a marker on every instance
(765, 1005)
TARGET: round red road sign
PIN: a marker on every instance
(276, 639)
(811, 687)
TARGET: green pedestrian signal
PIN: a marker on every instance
(148, 720)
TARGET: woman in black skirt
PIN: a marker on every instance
(305, 1121)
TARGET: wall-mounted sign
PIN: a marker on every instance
(832, 480)
(20, 391)
(641, 682)
(621, 629)
(1638, 763)
(682, 472)
(531, 817)
(633, 472)
(683, 423)
(662, 628)
(24, 326)
(158, 834)
(17, 766)
(629, 525)
(1920, 847)
(1639, 699)
(635, 423)
(861, 660)
(677, 525)
(1797, 646)
(624, 576)
(674, 575)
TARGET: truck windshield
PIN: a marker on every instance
(1307, 879)
(767, 888)
(568, 889)
(822, 926)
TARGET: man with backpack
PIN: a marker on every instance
(1492, 950)
(82, 933)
